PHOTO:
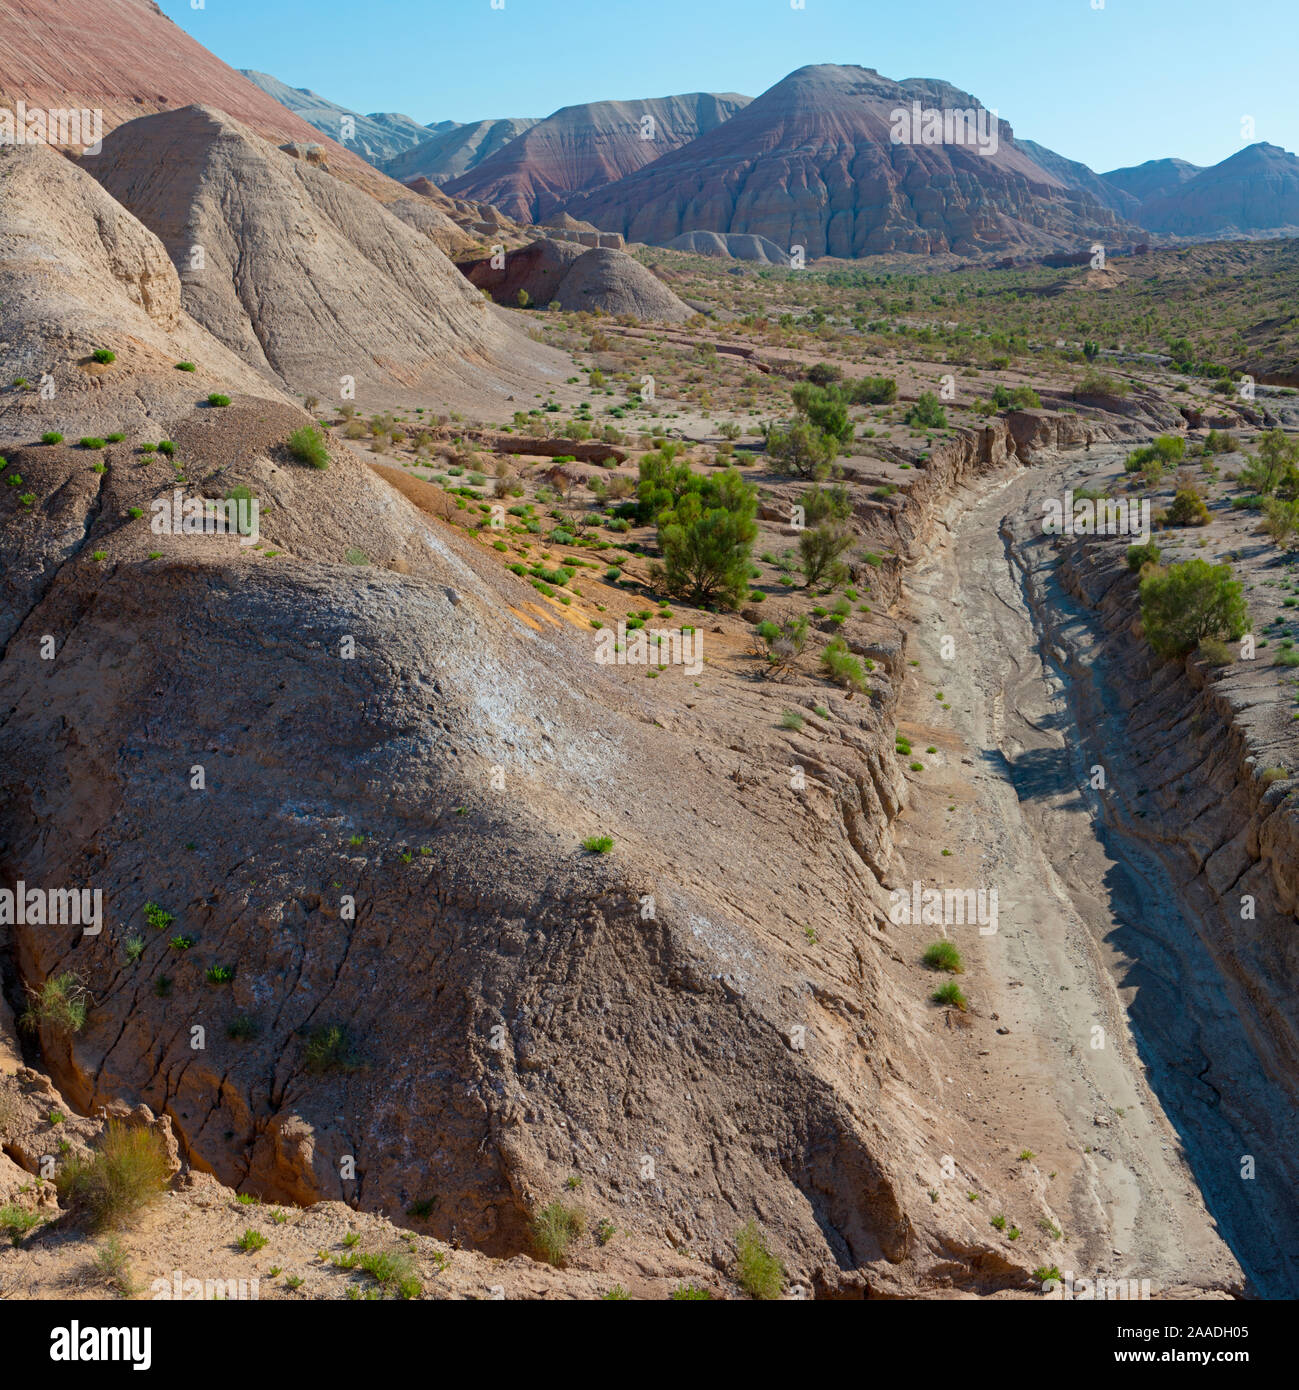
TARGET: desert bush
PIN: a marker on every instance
(124, 1174)
(1188, 509)
(104, 355)
(872, 390)
(597, 844)
(1097, 383)
(842, 667)
(1281, 520)
(61, 1002)
(1187, 602)
(706, 540)
(781, 644)
(1275, 468)
(758, 1272)
(1216, 653)
(803, 449)
(927, 412)
(52, 437)
(307, 445)
(950, 994)
(16, 1221)
(216, 398)
(1220, 442)
(819, 550)
(1140, 555)
(553, 1229)
(826, 410)
(821, 504)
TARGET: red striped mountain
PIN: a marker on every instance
(812, 162)
(583, 147)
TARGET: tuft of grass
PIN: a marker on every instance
(252, 1240)
(307, 445)
(330, 1049)
(950, 994)
(617, 1294)
(758, 1272)
(61, 1002)
(185, 367)
(597, 844)
(943, 955)
(113, 1265)
(158, 917)
(216, 398)
(104, 356)
(553, 1229)
(1047, 1273)
(690, 1293)
(127, 1172)
(51, 437)
(791, 719)
(394, 1270)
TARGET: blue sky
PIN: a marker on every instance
(1134, 80)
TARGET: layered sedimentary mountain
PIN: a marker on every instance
(1078, 176)
(812, 162)
(448, 154)
(376, 137)
(1252, 192)
(730, 246)
(302, 276)
(126, 58)
(588, 146)
(1152, 179)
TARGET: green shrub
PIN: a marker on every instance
(185, 367)
(216, 398)
(91, 441)
(158, 918)
(51, 437)
(927, 412)
(1139, 555)
(690, 1293)
(307, 445)
(1188, 509)
(758, 1272)
(104, 356)
(1187, 602)
(1216, 653)
(16, 1221)
(597, 844)
(126, 1172)
(252, 1240)
(842, 667)
(167, 447)
(791, 719)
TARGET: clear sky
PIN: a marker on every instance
(1134, 80)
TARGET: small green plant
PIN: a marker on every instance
(330, 1049)
(791, 719)
(181, 943)
(51, 437)
(104, 356)
(1047, 1274)
(90, 441)
(113, 1265)
(597, 844)
(16, 1221)
(307, 445)
(1026, 1155)
(943, 955)
(252, 1240)
(690, 1293)
(158, 917)
(220, 974)
(999, 1222)
(553, 1229)
(217, 399)
(758, 1272)
(950, 995)
(134, 948)
(617, 1294)
(167, 447)
(185, 367)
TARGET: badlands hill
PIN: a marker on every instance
(302, 276)
(598, 280)
(1254, 191)
(400, 756)
(588, 146)
(445, 156)
(377, 137)
(1153, 179)
(811, 163)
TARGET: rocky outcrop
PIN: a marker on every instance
(812, 163)
(730, 246)
(588, 146)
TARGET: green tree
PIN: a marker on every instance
(1275, 467)
(820, 548)
(927, 412)
(1187, 602)
(706, 541)
(826, 408)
